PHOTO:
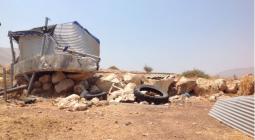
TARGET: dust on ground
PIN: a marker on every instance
(113, 122)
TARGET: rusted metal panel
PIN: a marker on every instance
(237, 112)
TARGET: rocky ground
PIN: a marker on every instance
(42, 120)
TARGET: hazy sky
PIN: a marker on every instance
(168, 35)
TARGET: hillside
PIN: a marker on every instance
(6, 56)
(238, 72)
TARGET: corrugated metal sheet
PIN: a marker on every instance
(77, 38)
(72, 34)
(237, 112)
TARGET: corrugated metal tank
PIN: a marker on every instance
(71, 34)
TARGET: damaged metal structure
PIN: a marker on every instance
(66, 47)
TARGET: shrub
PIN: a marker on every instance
(147, 69)
(195, 73)
(113, 68)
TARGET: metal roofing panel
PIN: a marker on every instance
(77, 38)
(237, 112)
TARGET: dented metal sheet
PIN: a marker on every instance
(237, 112)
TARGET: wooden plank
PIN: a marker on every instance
(13, 89)
(13, 60)
(5, 84)
(12, 75)
(31, 83)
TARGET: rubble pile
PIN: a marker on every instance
(76, 103)
(86, 90)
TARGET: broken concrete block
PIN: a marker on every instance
(128, 98)
(95, 101)
(221, 84)
(208, 86)
(67, 102)
(232, 86)
(45, 78)
(114, 94)
(57, 77)
(129, 88)
(64, 85)
(128, 93)
(185, 85)
(133, 78)
(205, 87)
(162, 84)
(105, 82)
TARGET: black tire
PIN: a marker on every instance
(89, 96)
(162, 98)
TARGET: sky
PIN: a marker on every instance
(167, 35)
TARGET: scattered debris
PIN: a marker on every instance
(76, 103)
(162, 84)
(105, 82)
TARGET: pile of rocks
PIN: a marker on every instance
(120, 86)
(76, 103)
(59, 83)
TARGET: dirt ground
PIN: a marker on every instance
(42, 120)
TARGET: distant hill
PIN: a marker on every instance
(6, 56)
(238, 72)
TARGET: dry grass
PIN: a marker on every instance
(247, 85)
